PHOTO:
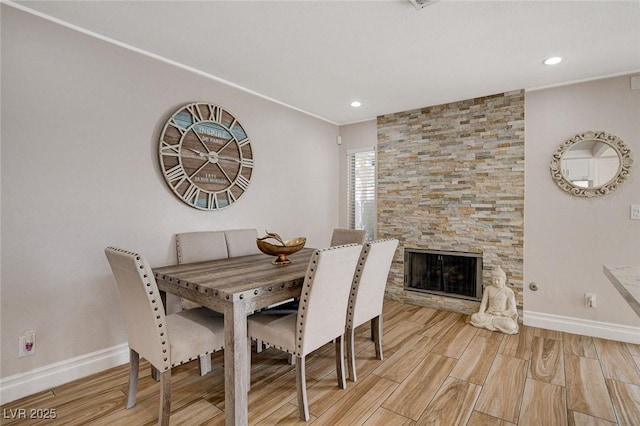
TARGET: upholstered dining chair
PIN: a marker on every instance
(367, 295)
(199, 246)
(320, 319)
(342, 236)
(242, 242)
(165, 341)
(339, 237)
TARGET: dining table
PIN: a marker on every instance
(236, 287)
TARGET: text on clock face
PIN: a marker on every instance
(210, 131)
(211, 140)
(210, 178)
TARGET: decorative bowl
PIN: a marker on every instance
(281, 248)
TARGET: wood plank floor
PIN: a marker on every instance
(436, 370)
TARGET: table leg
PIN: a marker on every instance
(235, 364)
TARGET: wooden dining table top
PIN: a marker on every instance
(252, 278)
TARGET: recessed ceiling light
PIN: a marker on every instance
(356, 104)
(553, 60)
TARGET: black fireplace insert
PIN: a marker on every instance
(449, 273)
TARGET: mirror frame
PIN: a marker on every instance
(624, 155)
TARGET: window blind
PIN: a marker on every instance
(361, 191)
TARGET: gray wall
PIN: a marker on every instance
(567, 238)
(80, 126)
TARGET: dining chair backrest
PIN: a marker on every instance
(143, 309)
(163, 340)
(201, 246)
(325, 296)
(369, 283)
(342, 236)
(241, 242)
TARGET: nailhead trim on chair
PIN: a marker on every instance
(179, 253)
(178, 250)
(159, 318)
(356, 278)
(156, 307)
(361, 261)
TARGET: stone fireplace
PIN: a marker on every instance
(451, 178)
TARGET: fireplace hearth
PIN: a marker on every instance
(445, 273)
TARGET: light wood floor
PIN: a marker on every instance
(436, 370)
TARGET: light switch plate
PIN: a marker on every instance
(635, 82)
(635, 211)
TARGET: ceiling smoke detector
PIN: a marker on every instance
(421, 4)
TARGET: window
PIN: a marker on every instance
(361, 190)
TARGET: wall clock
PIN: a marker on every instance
(205, 156)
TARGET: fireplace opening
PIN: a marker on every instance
(450, 273)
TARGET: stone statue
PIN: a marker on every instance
(498, 307)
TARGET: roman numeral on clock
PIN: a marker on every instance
(195, 113)
(169, 150)
(175, 174)
(178, 127)
(191, 194)
(242, 182)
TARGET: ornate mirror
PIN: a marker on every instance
(591, 164)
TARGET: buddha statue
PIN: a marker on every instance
(498, 307)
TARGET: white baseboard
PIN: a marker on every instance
(605, 330)
(43, 378)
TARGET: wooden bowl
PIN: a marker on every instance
(289, 247)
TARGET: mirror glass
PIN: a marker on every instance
(591, 164)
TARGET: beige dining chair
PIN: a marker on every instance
(165, 341)
(242, 242)
(199, 246)
(367, 296)
(320, 319)
(342, 236)
(338, 237)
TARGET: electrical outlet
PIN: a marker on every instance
(590, 300)
(27, 344)
(635, 211)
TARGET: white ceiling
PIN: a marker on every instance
(318, 56)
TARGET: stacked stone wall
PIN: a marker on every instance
(451, 177)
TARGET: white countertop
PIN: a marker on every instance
(626, 279)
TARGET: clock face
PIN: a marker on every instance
(205, 156)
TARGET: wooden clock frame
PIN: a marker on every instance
(205, 156)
